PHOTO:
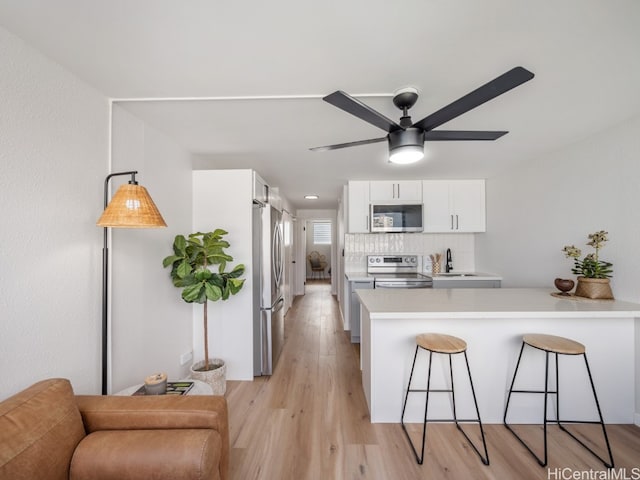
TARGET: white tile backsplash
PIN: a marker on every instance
(358, 245)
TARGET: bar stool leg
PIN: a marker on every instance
(513, 381)
(484, 459)
(542, 462)
(419, 459)
(609, 464)
(546, 403)
(559, 421)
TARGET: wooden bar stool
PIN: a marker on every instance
(447, 345)
(552, 344)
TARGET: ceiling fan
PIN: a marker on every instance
(406, 139)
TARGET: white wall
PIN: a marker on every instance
(556, 200)
(223, 199)
(151, 324)
(53, 158)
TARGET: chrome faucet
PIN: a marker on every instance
(449, 265)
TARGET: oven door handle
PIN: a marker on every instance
(403, 284)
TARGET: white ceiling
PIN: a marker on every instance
(585, 54)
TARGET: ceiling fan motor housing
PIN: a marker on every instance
(405, 138)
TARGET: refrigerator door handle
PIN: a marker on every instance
(267, 366)
(278, 305)
(276, 254)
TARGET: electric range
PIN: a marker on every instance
(397, 271)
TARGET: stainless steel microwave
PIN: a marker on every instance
(389, 218)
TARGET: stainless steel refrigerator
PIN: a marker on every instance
(268, 300)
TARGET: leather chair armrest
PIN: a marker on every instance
(158, 412)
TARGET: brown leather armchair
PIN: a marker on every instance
(47, 432)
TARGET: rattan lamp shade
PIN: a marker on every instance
(131, 207)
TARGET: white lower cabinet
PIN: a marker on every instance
(454, 206)
(450, 283)
(354, 302)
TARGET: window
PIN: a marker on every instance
(322, 233)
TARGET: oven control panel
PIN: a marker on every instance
(392, 260)
(392, 263)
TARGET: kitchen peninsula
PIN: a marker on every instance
(492, 322)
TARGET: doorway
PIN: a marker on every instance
(319, 243)
(316, 231)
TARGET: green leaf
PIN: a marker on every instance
(217, 279)
(212, 292)
(170, 260)
(235, 285)
(180, 245)
(203, 274)
(226, 292)
(218, 257)
(184, 282)
(237, 271)
(184, 269)
(191, 293)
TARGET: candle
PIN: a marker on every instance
(156, 384)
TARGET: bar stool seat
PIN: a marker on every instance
(440, 343)
(555, 345)
(448, 345)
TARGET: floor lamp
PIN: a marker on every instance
(130, 207)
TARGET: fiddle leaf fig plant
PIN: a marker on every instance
(191, 262)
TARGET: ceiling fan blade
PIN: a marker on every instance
(350, 144)
(355, 107)
(436, 135)
(497, 86)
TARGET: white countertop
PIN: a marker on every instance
(487, 303)
(464, 276)
(358, 276)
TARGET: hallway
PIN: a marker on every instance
(310, 420)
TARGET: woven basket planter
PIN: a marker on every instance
(216, 377)
(595, 288)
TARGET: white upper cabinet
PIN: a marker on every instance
(395, 191)
(358, 207)
(260, 189)
(454, 205)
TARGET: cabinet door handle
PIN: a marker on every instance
(366, 222)
(457, 226)
(451, 221)
(398, 191)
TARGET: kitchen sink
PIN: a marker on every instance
(451, 274)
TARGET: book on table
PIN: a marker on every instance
(173, 388)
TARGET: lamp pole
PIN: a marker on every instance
(105, 281)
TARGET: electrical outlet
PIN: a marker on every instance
(186, 358)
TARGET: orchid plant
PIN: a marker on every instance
(590, 266)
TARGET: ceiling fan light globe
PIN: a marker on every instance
(407, 154)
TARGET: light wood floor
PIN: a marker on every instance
(310, 421)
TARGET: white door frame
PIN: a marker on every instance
(303, 217)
